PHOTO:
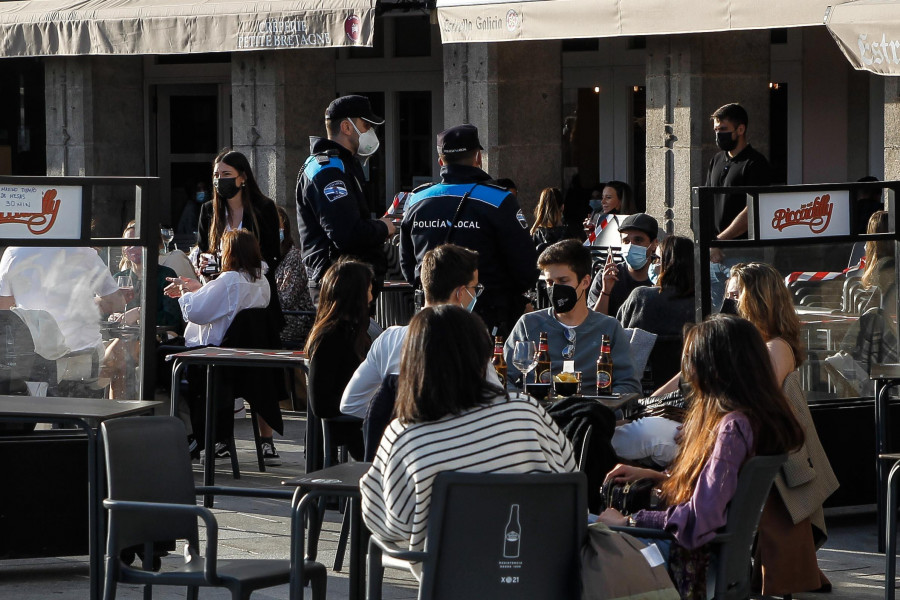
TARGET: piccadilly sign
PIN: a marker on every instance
(804, 214)
(40, 212)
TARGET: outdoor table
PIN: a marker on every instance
(80, 412)
(886, 377)
(613, 402)
(213, 356)
(339, 480)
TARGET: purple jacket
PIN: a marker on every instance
(695, 522)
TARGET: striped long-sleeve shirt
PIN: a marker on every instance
(514, 436)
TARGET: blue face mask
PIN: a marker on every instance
(471, 305)
(281, 235)
(635, 256)
(200, 197)
(596, 205)
(653, 273)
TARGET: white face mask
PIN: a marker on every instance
(368, 141)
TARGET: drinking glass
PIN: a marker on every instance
(125, 284)
(168, 234)
(524, 359)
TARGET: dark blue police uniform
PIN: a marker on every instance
(489, 222)
(332, 214)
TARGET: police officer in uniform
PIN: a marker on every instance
(467, 209)
(332, 213)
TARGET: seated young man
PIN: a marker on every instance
(449, 276)
(614, 283)
(573, 329)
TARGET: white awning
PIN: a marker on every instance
(495, 21)
(83, 27)
(868, 32)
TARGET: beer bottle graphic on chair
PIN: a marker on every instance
(512, 536)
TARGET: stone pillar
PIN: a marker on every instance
(278, 100)
(891, 128)
(674, 129)
(688, 78)
(95, 126)
(512, 92)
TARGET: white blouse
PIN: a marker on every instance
(210, 310)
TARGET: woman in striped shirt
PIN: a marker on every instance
(450, 419)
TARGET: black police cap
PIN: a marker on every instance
(462, 138)
(351, 107)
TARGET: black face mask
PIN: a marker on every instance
(725, 142)
(563, 298)
(729, 307)
(226, 187)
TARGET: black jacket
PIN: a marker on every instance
(490, 223)
(332, 212)
(267, 223)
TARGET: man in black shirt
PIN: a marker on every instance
(738, 164)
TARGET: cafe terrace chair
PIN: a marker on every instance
(732, 545)
(152, 498)
(251, 329)
(523, 541)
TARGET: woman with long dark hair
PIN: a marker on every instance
(665, 307)
(449, 418)
(737, 410)
(338, 343)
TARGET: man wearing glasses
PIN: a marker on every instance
(613, 283)
(574, 332)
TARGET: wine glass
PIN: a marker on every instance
(126, 286)
(168, 234)
(524, 359)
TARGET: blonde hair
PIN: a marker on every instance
(548, 212)
(766, 302)
(876, 251)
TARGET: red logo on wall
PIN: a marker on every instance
(816, 215)
(352, 27)
(38, 223)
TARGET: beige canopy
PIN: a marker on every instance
(868, 32)
(81, 27)
(494, 21)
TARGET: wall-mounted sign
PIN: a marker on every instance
(40, 211)
(804, 214)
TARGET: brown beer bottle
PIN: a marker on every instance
(498, 361)
(542, 369)
(604, 369)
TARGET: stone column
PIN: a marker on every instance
(512, 92)
(95, 126)
(891, 129)
(674, 132)
(688, 78)
(278, 100)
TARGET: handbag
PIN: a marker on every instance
(630, 497)
(672, 406)
(614, 566)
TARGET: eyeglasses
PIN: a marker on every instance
(478, 287)
(568, 352)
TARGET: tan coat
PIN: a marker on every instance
(806, 480)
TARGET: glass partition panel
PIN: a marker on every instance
(75, 258)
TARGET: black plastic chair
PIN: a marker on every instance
(152, 498)
(522, 541)
(890, 553)
(733, 544)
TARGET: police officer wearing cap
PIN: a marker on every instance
(467, 209)
(333, 216)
